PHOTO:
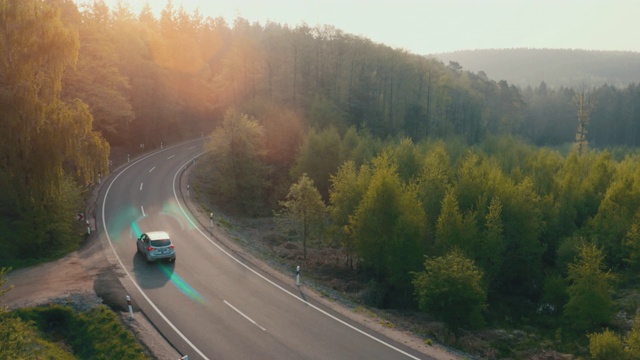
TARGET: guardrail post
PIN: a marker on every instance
(130, 308)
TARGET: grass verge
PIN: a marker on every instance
(64, 333)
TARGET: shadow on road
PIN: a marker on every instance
(152, 275)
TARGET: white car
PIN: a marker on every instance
(156, 245)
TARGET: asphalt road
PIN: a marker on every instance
(209, 304)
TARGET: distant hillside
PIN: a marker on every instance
(568, 68)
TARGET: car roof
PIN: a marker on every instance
(157, 235)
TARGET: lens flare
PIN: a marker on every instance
(135, 229)
(171, 209)
(121, 223)
(180, 284)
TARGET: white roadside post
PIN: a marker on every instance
(298, 275)
(211, 221)
(88, 228)
(188, 190)
(160, 144)
(128, 159)
(186, 357)
(130, 308)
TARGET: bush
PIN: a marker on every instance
(606, 346)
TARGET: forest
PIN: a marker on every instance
(556, 67)
(439, 185)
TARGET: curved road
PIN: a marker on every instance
(209, 304)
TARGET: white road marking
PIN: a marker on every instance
(141, 186)
(191, 148)
(244, 316)
(160, 313)
(170, 157)
(142, 209)
(153, 168)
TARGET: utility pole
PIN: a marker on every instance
(585, 107)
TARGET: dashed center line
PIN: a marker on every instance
(153, 168)
(170, 157)
(244, 316)
(142, 209)
(141, 186)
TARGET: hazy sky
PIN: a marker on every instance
(433, 26)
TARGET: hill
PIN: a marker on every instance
(561, 67)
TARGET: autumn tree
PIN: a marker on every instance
(304, 207)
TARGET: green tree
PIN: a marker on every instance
(632, 242)
(237, 154)
(590, 291)
(490, 250)
(449, 229)
(434, 179)
(632, 339)
(348, 186)
(408, 158)
(451, 288)
(389, 227)
(304, 206)
(3, 272)
(320, 158)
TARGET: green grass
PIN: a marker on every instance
(95, 334)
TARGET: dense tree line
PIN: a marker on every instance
(49, 148)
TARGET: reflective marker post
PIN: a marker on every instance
(298, 275)
(130, 308)
(211, 220)
(188, 190)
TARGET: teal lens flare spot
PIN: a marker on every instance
(180, 284)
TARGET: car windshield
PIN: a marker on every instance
(161, 242)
